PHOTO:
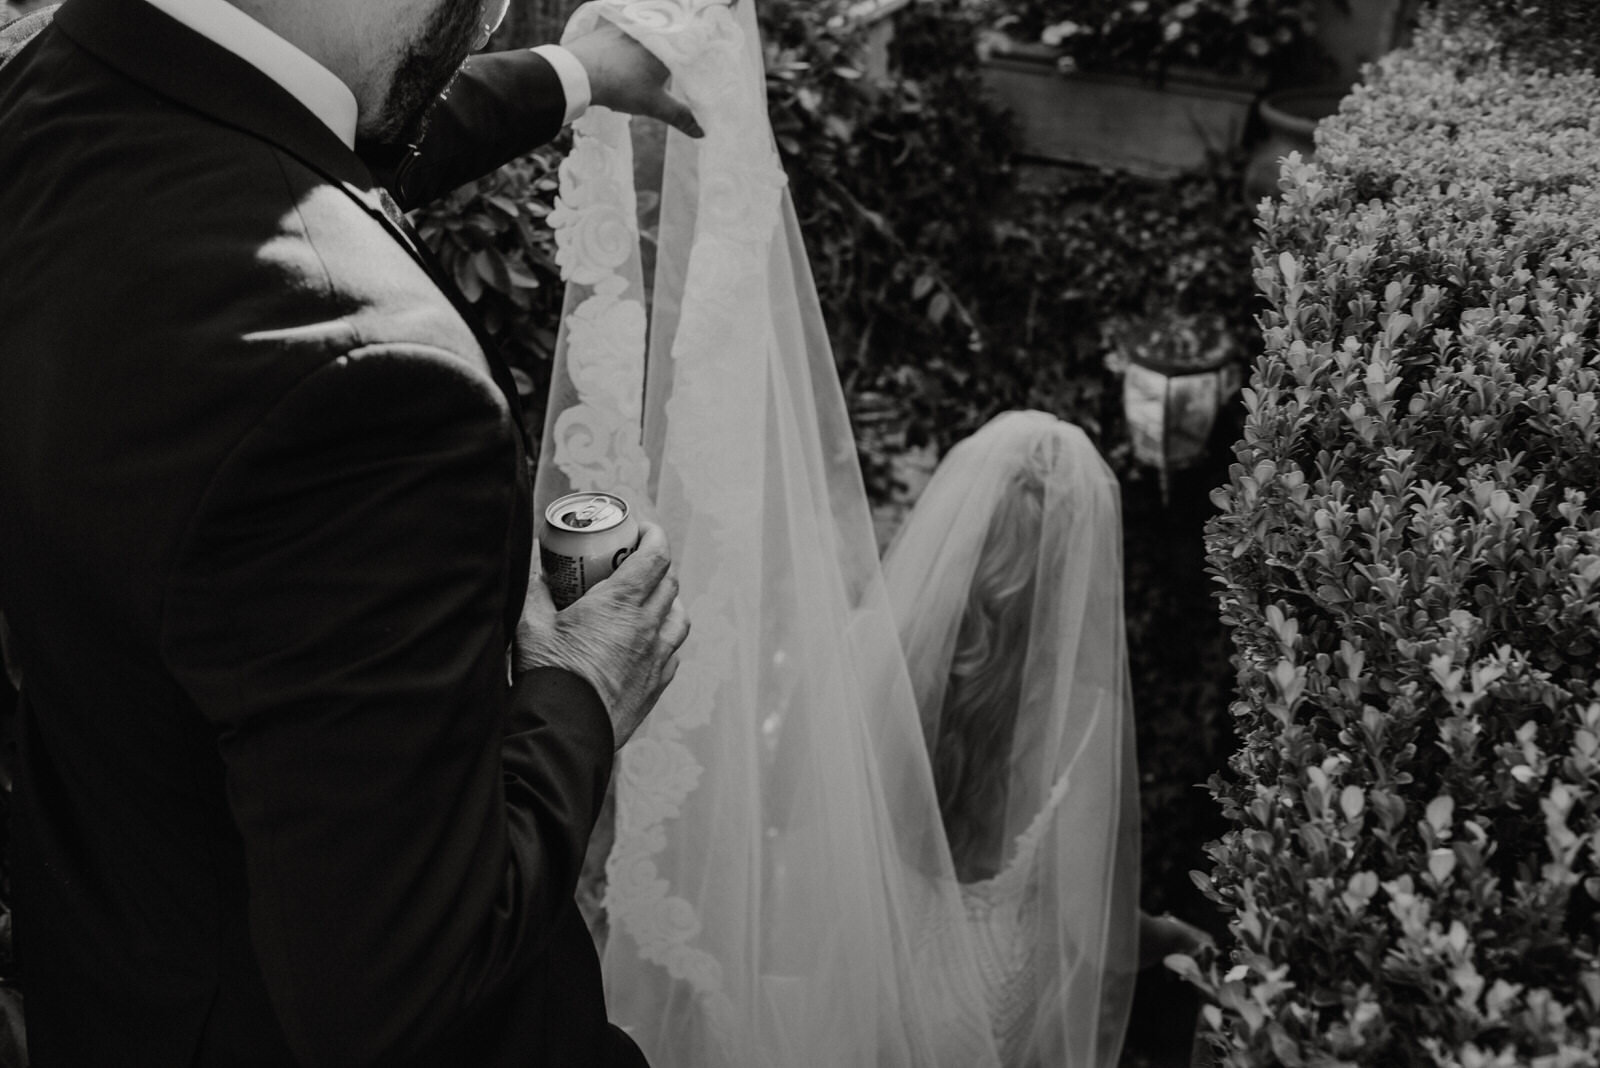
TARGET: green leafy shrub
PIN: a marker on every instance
(950, 294)
(533, 22)
(1235, 37)
(1559, 35)
(1410, 549)
(492, 238)
(895, 180)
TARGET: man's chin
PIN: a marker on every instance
(404, 118)
(386, 137)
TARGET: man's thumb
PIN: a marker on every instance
(676, 113)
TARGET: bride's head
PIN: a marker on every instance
(984, 690)
(1006, 584)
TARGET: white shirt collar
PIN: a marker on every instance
(314, 85)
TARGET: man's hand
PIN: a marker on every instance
(624, 76)
(622, 637)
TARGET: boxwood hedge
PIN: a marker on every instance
(1409, 554)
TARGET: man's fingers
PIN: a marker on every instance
(626, 76)
(675, 113)
(675, 631)
(659, 601)
(645, 567)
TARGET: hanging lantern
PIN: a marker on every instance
(1178, 372)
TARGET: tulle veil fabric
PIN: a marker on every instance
(1027, 507)
(780, 891)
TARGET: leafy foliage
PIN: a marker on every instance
(945, 287)
(1233, 37)
(1410, 548)
(894, 180)
(532, 22)
(1559, 35)
(492, 238)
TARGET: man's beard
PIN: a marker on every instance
(425, 73)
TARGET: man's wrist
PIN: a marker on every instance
(536, 650)
(582, 705)
(574, 79)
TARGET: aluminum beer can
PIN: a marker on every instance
(582, 540)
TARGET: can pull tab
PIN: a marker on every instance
(588, 514)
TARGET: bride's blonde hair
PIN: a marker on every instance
(972, 751)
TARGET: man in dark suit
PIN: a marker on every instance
(304, 776)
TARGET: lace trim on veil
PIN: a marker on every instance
(598, 439)
(595, 220)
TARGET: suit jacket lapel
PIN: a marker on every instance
(167, 57)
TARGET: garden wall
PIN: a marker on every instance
(1410, 553)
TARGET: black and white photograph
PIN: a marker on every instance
(800, 534)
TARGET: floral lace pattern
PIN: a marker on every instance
(708, 453)
(596, 440)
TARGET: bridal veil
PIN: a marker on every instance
(1006, 581)
(781, 891)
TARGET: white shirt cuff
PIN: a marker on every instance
(574, 79)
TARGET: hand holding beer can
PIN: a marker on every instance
(583, 538)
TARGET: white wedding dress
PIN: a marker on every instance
(781, 891)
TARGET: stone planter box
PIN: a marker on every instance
(1155, 129)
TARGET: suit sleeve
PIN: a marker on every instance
(501, 106)
(413, 824)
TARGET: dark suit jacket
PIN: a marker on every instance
(264, 537)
